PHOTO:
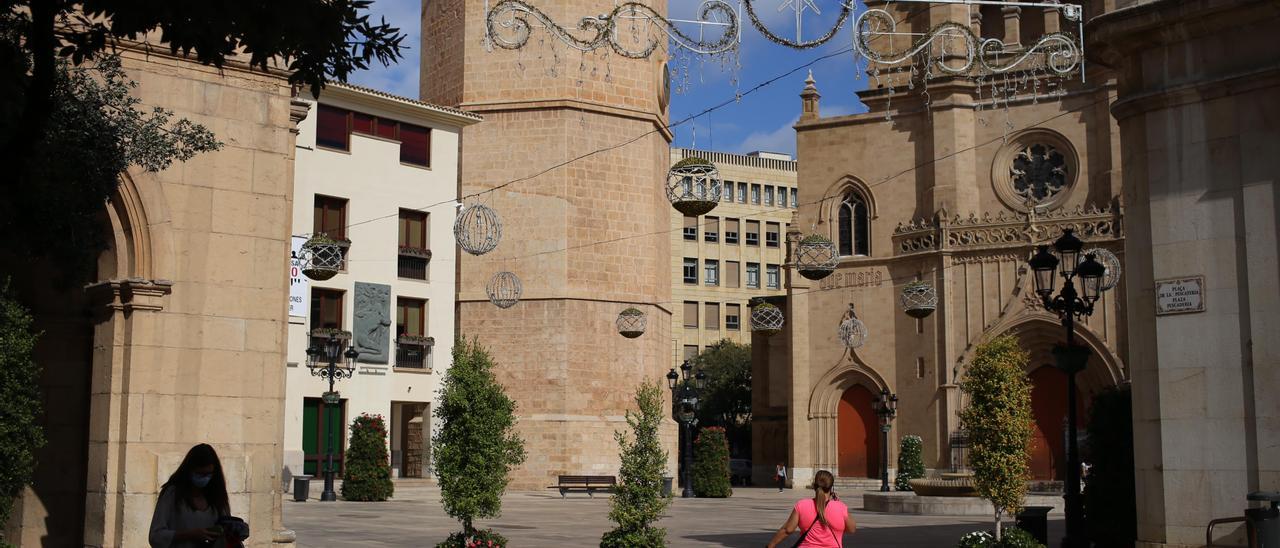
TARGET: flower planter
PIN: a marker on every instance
(766, 319)
(816, 257)
(693, 186)
(322, 257)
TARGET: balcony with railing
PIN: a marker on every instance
(413, 263)
(414, 352)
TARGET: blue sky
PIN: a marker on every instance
(760, 121)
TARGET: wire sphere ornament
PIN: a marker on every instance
(693, 186)
(322, 257)
(504, 289)
(477, 229)
(631, 323)
(1111, 277)
(816, 257)
(852, 332)
(919, 299)
(766, 319)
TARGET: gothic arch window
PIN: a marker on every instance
(854, 225)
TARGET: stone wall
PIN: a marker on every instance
(587, 240)
(189, 317)
(1199, 127)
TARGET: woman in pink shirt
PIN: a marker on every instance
(824, 519)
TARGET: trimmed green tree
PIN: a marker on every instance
(477, 445)
(367, 473)
(711, 464)
(1110, 499)
(20, 432)
(910, 461)
(638, 501)
(998, 419)
(726, 400)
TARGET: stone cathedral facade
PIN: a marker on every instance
(955, 193)
(586, 240)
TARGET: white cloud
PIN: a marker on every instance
(783, 138)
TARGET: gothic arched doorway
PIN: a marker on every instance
(858, 442)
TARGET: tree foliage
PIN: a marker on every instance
(20, 432)
(1110, 498)
(366, 475)
(638, 501)
(477, 445)
(97, 131)
(998, 419)
(711, 464)
(910, 462)
(726, 401)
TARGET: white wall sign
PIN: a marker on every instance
(298, 284)
(1180, 295)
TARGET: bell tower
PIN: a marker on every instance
(587, 239)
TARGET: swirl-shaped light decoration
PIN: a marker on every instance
(508, 27)
(1060, 51)
(846, 9)
(1111, 276)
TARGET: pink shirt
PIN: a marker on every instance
(822, 536)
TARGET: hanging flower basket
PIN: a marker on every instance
(919, 299)
(322, 257)
(504, 290)
(852, 332)
(766, 319)
(477, 229)
(1109, 261)
(631, 323)
(693, 186)
(816, 257)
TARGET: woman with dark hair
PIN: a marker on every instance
(826, 517)
(193, 507)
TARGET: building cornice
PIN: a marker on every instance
(658, 122)
(1115, 36)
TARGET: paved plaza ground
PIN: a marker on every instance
(747, 519)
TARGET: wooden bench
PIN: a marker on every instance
(587, 483)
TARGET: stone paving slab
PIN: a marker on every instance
(747, 519)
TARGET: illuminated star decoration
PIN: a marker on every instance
(799, 6)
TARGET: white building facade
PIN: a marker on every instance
(380, 172)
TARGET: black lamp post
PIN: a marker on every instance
(1069, 306)
(684, 409)
(887, 408)
(329, 361)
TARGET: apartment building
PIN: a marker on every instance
(737, 251)
(381, 172)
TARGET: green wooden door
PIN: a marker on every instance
(316, 418)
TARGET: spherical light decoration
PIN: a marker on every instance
(816, 257)
(693, 186)
(631, 323)
(852, 332)
(1109, 261)
(477, 229)
(322, 257)
(919, 299)
(766, 319)
(504, 290)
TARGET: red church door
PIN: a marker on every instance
(858, 439)
(1049, 407)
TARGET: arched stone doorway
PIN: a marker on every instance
(857, 437)
(1038, 335)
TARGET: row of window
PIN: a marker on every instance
(732, 276)
(760, 194)
(711, 317)
(334, 127)
(330, 219)
(711, 231)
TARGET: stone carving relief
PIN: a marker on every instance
(857, 278)
(1004, 230)
(373, 322)
(1037, 169)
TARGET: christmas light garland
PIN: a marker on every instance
(508, 27)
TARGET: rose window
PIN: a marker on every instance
(1039, 173)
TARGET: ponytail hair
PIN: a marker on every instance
(823, 482)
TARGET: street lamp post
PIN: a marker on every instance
(329, 361)
(887, 408)
(684, 409)
(1070, 306)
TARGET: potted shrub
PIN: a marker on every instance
(631, 323)
(322, 256)
(919, 299)
(693, 186)
(816, 257)
(766, 319)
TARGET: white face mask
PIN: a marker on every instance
(201, 480)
